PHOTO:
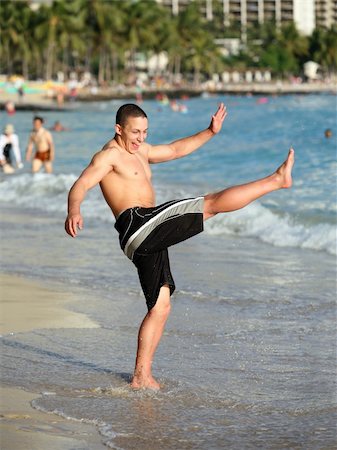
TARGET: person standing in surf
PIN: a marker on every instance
(43, 142)
(122, 169)
(9, 147)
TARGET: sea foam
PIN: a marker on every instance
(258, 221)
(49, 193)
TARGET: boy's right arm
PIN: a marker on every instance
(76, 196)
(100, 166)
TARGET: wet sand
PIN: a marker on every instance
(25, 306)
(24, 428)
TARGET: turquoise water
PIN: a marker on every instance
(254, 141)
(248, 358)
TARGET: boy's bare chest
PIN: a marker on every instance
(133, 166)
(39, 138)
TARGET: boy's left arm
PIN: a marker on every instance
(51, 146)
(187, 145)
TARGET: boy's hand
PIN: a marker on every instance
(218, 118)
(73, 222)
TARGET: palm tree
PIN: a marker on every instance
(26, 43)
(163, 34)
(295, 43)
(331, 46)
(7, 10)
(56, 26)
(143, 28)
(174, 47)
(323, 48)
(199, 50)
(13, 17)
(282, 50)
(105, 24)
(71, 45)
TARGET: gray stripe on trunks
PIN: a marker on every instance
(193, 205)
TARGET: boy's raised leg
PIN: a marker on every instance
(237, 197)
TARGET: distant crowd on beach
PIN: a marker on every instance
(60, 92)
(40, 143)
(40, 150)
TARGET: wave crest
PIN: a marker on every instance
(49, 193)
(259, 222)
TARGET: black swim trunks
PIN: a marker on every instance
(146, 233)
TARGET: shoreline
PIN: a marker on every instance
(29, 305)
(24, 427)
(26, 306)
(228, 89)
(41, 101)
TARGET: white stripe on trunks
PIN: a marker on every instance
(192, 205)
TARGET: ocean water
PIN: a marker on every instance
(248, 358)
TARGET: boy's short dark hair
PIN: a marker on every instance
(38, 118)
(128, 110)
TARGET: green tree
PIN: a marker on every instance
(56, 30)
(218, 28)
(174, 48)
(105, 36)
(323, 48)
(296, 44)
(282, 50)
(144, 28)
(105, 24)
(279, 59)
(199, 51)
(15, 37)
(331, 49)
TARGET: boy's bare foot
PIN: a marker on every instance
(144, 382)
(283, 173)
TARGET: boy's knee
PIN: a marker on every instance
(209, 209)
(164, 310)
(162, 307)
(160, 312)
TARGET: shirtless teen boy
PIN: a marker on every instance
(43, 141)
(122, 168)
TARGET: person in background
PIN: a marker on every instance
(328, 133)
(58, 126)
(9, 147)
(10, 108)
(43, 142)
(21, 93)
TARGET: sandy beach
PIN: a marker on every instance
(26, 306)
(47, 102)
